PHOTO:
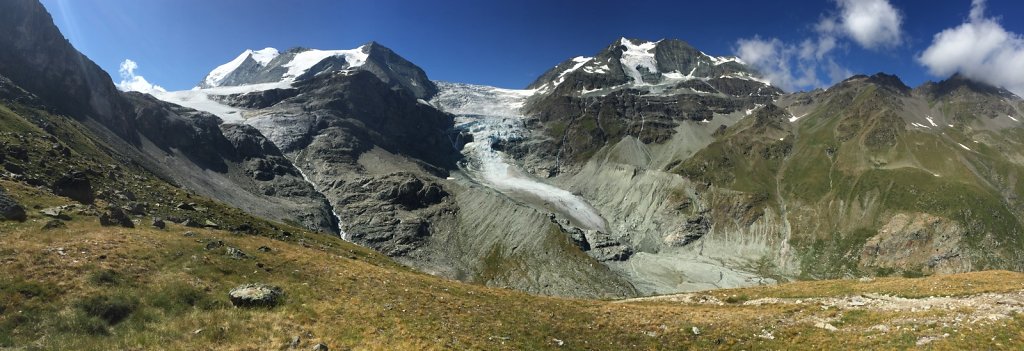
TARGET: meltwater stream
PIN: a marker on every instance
(491, 114)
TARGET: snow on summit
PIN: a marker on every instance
(297, 64)
(262, 57)
(305, 60)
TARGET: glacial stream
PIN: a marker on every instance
(491, 114)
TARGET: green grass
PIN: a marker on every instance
(144, 288)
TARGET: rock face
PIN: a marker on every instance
(37, 57)
(256, 295)
(917, 242)
(183, 146)
(10, 209)
(374, 151)
(393, 211)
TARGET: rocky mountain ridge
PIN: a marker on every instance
(649, 168)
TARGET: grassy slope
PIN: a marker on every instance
(852, 165)
(171, 293)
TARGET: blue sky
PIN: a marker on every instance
(501, 43)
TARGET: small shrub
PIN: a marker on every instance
(28, 289)
(912, 274)
(178, 297)
(80, 322)
(110, 308)
(106, 277)
(737, 299)
(884, 271)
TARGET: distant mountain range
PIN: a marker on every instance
(647, 168)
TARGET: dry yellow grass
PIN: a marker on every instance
(350, 298)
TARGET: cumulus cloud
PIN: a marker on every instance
(981, 49)
(873, 24)
(811, 63)
(132, 82)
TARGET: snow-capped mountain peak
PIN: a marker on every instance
(271, 66)
(260, 57)
(303, 61)
(662, 66)
(266, 69)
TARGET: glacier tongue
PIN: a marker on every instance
(491, 114)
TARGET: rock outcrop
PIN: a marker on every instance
(10, 209)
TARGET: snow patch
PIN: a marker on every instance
(964, 146)
(930, 121)
(637, 56)
(718, 60)
(263, 57)
(305, 60)
(756, 107)
(1011, 117)
(199, 99)
(747, 76)
(578, 61)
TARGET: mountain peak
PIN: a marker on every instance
(961, 83)
(881, 79)
(630, 63)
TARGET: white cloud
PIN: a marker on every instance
(980, 49)
(873, 24)
(785, 66)
(132, 82)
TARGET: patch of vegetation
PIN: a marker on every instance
(111, 308)
(736, 299)
(180, 297)
(106, 277)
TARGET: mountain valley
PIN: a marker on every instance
(648, 196)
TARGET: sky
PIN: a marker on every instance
(799, 45)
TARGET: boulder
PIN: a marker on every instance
(191, 223)
(137, 208)
(57, 212)
(54, 224)
(75, 186)
(215, 244)
(10, 209)
(116, 217)
(159, 223)
(235, 253)
(256, 295)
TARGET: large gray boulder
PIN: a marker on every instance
(256, 295)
